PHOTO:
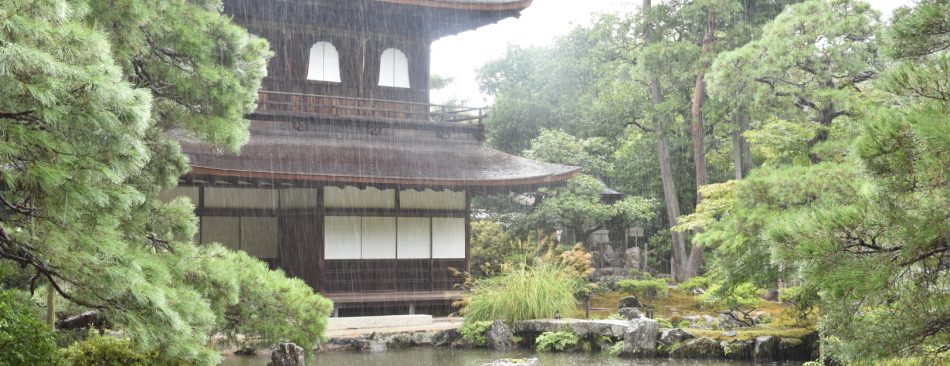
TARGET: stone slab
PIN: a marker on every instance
(386, 321)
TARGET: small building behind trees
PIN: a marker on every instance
(351, 180)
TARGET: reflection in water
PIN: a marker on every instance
(452, 357)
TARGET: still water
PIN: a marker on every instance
(426, 356)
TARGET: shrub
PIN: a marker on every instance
(474, 331)
(696, 283)
(24, 339)
(556, 341)
(269, 307)
(742, 298)
(803, 301)
(106, 351)
(523, 292)
(652, 288)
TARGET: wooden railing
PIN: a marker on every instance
(346, 107)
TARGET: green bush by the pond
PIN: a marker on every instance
(474, 331)
(652, 288)
(24, 338)
(556, 341)
(268, 307)
(107, 351)
(522, 292)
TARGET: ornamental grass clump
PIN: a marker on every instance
(522, 292)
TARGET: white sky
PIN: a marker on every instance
(459, 56)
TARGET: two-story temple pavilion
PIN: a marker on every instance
(351, 180)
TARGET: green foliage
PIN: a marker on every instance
(925, 360)
(651, 288)
(100, 350)
(803, 300)
(616, 349)
(474, 331)
(696, 283)
(24, 339)
(268, 308)
(91, 91)
(523, 292)
(556, 341)
(745, 297)
(860, 223)
(664, 323)
(493, 245)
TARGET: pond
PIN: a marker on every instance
(426, 356)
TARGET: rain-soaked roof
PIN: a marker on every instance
(373, 154)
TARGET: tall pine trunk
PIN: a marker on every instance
(698, 134)
(741, 152)
(677, 262)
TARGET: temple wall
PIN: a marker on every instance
(369, 239)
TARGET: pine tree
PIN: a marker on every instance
(90, 90)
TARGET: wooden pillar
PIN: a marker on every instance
(321, 242)
(468, 232)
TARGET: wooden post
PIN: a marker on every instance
(587, 307)
(51, 306)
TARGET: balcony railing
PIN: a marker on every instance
(347, 107)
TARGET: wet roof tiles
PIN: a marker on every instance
(361, 155)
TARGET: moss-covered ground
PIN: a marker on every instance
(680, 304)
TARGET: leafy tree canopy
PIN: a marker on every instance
(92, 92)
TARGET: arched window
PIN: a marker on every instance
(324, 62)
(394, 69)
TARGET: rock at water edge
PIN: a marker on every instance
(737, 349)
(765, 348)
(287, 354)
(423, 338)
(640, 338)
(673, 336)
(499, 336)
(446, 337)
(698, 348)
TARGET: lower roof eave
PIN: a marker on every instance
(511, 184)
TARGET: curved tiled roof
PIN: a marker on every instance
(355, 154)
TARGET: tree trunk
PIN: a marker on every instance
(698, 134)
(677, 262)
(741, 152)
(51, 306)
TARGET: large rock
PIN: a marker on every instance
(629, 313)
(632, 257)
(737, 349)
(499, 337)
(640, 338)
(581, 327)
(287, 354)
(531, 361)
(670, 337)
(793, 349)
(698, 348)
(629, 302)
(766, 348)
